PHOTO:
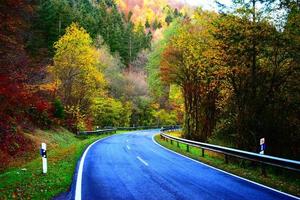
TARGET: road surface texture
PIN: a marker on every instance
(133, 166)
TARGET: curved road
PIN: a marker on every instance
(132, 166)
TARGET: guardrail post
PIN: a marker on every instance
(178, 144)
(202, 152)
(263, 170)
(226, 159)
(171, 141)
(187, 148)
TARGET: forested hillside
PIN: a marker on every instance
(238, 71)
(154, 14)
(230, 76)
(77, 64)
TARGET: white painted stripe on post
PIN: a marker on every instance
(144, 162)
(44, 147)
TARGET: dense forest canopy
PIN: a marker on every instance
(231, 75)
(239, 75)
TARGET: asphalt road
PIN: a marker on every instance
(132, 166)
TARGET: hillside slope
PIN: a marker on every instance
(26, 181)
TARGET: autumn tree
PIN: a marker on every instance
(111, 112)
(159, 89)
(21, 107)
(260, 67)
(188, 61)
(171, 14)
(75, 71)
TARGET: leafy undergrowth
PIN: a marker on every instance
(282, 180)
(27, 180)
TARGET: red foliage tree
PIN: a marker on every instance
(17, 97)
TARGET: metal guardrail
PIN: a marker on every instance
(98, 132)
(170, 128)
(265, 159)
(148, 127)
(111, 129)
(137, 128)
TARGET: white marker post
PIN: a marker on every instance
(262, 146)
(44, 157)
(262, 151)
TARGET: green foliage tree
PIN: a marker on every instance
(171, 14)
(54, 16)
(147, 24)
(98, 18)
(261, 65)
(168, 19)
(135, 40)
(142, 112)
(159, 90)
(111, 112)
(164, 117)
(58, 109)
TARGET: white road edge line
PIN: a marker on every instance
(128, 147)
(264, 186)
(80, 169)
(144, 162)
(79, 175)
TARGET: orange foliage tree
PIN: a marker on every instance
(189, 61)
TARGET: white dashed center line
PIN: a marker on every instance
(128, 147)
(144, 162)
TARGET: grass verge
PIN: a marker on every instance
(288, 182)
(28, 182)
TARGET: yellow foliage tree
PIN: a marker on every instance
(75, 70)
(189, 61)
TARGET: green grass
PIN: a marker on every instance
(282, 180)
(28, 182)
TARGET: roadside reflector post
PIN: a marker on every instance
(262, 151)
(262, 146)
(43, 152)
